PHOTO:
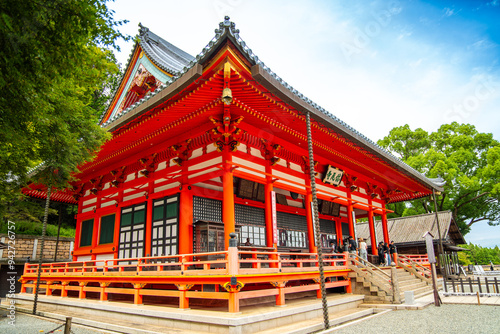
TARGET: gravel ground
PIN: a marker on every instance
(448, 318)
(28, 324)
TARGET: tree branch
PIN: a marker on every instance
(442, 202)
(477, 220)
(473, 199)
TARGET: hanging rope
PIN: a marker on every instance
(316, 222)
(44, 229)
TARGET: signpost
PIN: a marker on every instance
(432, 260)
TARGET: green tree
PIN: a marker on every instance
(480, 255)
(467, 160)
(55, 55)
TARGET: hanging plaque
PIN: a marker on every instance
(333, 176)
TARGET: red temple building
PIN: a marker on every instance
(210, 145)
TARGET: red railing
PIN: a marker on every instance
(198, 263)
(264, 274)
(417, 258)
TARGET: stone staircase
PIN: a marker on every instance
(387, 284)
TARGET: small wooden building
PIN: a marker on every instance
(408, 236)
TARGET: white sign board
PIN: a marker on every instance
(333, 176)
(430, 247)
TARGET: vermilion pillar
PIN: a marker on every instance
(349, 216)
(228, 195)
(97, 223)
(309, 216)
(269, 209)
(118, 217)
(338, 230)
(384, 225)
(372, 232)
(186, 221)
(77, 235)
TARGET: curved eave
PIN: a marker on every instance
(152, 101)
(264, 78)
(117, 92)
(166, 56)
(58, 196)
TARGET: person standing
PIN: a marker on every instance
(381, 257)
(393, 251)
(387, 255)
(352, 245)
(362, 249)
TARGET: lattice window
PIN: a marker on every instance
(207, 209)
(256, 234)
(164, 238)
(132, 231)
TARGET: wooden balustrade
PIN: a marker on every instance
(264, 273)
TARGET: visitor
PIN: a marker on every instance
(387, 255)
(352, 245)
(381, 257)
(333, 245)
(393, 250)
(362, 249)
(248, 243)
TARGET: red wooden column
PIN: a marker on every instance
(116, 238)
(349, 215)
(309, 215)
(78, 233)
(384, 224)
(269, 209)
(338, 230)
(97, 223)
(228, 195)
(185, 235)
(149, 220)
(372, 230)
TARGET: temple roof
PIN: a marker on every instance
(165, 55)
(411, 229)
(184, 68)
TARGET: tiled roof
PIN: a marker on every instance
(165, 55)
(411, 229)
(159, 47)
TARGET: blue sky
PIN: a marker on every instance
(373, 64)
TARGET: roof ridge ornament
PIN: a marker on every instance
(229, 25)
(143, 30)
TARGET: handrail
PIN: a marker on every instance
(415, 268)
(418, 258)
(198, 263)
(379, 277)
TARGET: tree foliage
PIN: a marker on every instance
(479, 255)
(55, 58)
(469, 162)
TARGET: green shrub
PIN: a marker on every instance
(32, 228)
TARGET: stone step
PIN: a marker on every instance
(410, 285)
(317, 324)
(378, 300)
(418, 292)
